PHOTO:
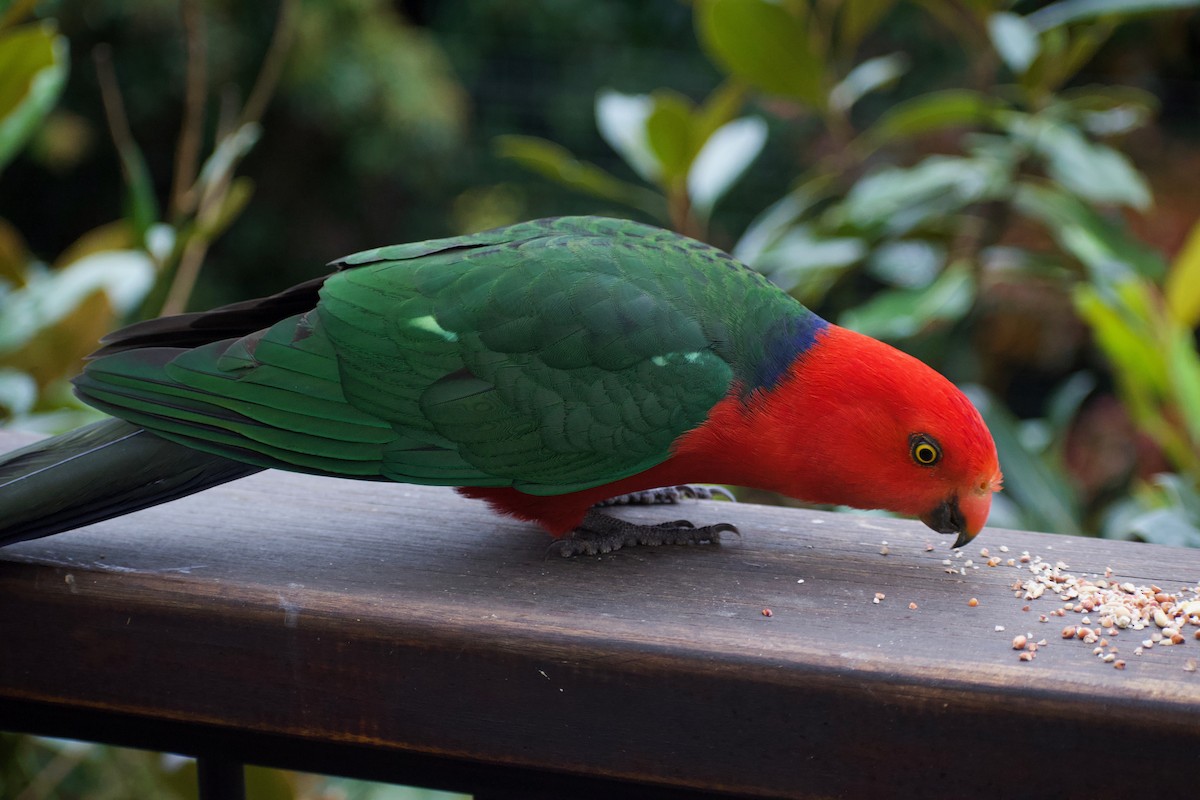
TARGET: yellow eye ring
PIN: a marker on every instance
(924, 450)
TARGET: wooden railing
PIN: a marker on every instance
(405, 634)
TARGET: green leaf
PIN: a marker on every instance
(33, 71)
(869, 76)
(125, 276)
(1099, 242)
(1183, 370)
(910, 264)
(1180, 492)
(1167, 526)
(723, 159)
(806, 264)
(1063, 405)
(1037, 483)
(621, 120)
(1095, 172)
(18, 392)
(558, 164)
(219, 167)
(901, 313)
(898, 200)
(720, 107)
(1116, 315)
(766, 230)
(1109, 110)
(1182, 288)
(1014, 39)
(931, 112)
(764, 44)
(669, 133)
(1066, 12)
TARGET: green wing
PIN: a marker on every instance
(550, 356)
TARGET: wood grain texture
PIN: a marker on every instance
(406, 620)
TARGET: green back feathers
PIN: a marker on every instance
(551, 356)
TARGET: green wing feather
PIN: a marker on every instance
(550, 356)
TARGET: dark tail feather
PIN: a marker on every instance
(97, 472)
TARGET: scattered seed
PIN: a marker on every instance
(912, 606)
(1025, 656)
(884, 550)
(767, 612)
(1119, 664)
(1018, 642)
(973, 602)
(1068, 632)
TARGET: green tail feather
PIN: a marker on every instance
(97, 472)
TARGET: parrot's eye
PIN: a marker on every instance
(925, 451)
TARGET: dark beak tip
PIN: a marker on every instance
(948, 518)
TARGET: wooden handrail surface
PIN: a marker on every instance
(403, 632)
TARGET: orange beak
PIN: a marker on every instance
(975, 509)
(962, 515)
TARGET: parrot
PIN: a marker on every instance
(549, 368)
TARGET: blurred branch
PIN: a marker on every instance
(110, 96)
(51, 776)
(187, 153)
(272, 66)
(215, 193)
(143, 206)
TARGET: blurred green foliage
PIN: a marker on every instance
(964, 179)
(36, 768)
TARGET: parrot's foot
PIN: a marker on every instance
(601, 533)
(668, 494)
